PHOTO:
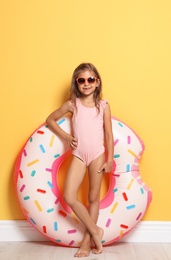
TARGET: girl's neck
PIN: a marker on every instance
(88, 101)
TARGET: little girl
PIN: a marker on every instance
(91, 124)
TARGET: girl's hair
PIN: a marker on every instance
(75, 93)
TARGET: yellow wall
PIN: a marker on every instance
(129, 42)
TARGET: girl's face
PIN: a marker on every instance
(87, 82)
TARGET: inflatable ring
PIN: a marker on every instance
(37, 166)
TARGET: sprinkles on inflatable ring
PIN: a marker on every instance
(37, 166)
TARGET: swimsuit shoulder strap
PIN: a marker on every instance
(103, 103)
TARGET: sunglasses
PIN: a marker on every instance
(90, 80)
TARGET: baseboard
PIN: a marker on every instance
(145, 231)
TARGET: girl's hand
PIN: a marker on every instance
(106, 167)
(72, 142)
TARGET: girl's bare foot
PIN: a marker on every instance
(83, 251)
(97, 240)
(85, 246)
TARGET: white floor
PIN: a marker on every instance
(50, 251)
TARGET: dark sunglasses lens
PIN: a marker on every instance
(81, 81)
(91, 80)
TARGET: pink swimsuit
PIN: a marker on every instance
(89, 130)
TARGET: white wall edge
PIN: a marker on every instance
(145, 231)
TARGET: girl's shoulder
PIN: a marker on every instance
(103, 103)
(75, 102)
(106, 109)
(68, 105)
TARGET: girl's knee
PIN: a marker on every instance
(93, 199)
(68, 199)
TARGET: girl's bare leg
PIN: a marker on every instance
(95, 180)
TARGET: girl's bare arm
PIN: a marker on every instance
(57, 130)
(108, 133)
(109, 141)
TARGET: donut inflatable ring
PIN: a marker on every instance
(37, 166)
